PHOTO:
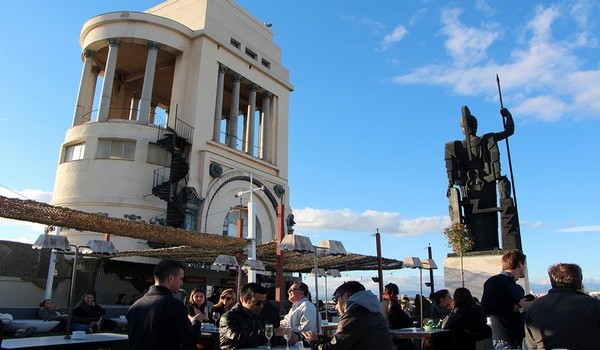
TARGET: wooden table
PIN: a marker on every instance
(434, 339)
(94, 341)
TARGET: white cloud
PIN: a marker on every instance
(22, 231)
(395, 36)
(466, 45)
(366, 22)
(33, 194)
(543, 77)
(593, 228)
(310, 219)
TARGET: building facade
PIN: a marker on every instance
(180, 117)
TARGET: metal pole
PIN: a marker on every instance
(279, 282)
(430, 270)
(421, 295)
(379, 267)
(326, 315)
(317, 292)
(71, 292)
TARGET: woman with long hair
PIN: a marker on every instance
(227, 299)
(440, 306)
(197, 309)
(466, 322)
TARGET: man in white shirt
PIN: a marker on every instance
(303, 314)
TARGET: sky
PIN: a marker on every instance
(378, 89)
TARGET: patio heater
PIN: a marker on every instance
(61, 243)
(416, 263)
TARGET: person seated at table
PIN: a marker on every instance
(243, 326)
(48, 312)
(122, 299)
(197, 310)
(407, 307)
(89, 314)
(418, 307)
(466, 322)
(134, 298)
(440, 308)
(361, 324)
(392, 310)
(227, 300)
(302, 316)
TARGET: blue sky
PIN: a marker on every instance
(378, 91)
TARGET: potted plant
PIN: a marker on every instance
(461, 240)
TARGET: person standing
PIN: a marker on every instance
(566, 317)
(302, 316)
(503, 300)
(361, 324)
(158, 321)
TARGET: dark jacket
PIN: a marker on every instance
(84, 313)
(361, 326)
(158, 321)
(241, 329)
(564, 318)
(467, 325)
(397, 317)
(500, 294)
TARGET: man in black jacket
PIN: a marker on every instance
(243, 326)
(566, 317)
(158, 321)
(361, 324)
(503, 300)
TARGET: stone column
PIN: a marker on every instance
(266, 122)
(219, 103)
(233, 112)
(90, 93)
(109, 77)
(251, 120)
(144, 113)
(86, 75)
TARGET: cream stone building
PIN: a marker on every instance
(178, 109)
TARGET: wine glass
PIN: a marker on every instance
(215, 316)
(268, 334)
(287, 334)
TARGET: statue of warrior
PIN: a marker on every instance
(473, 168)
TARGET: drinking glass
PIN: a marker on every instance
(269, 334)
(215, 316)
(287, 334)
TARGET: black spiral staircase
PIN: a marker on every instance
(167, 180)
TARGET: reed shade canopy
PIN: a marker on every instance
(190, 247)
(42, 213)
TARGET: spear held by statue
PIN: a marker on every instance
(512, 178)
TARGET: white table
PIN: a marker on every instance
(40, 325)
(59, 341)
(298, 346)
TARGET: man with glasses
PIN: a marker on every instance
(243, 326)
(302, 317)
(361, 324)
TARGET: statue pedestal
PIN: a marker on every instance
(477, 267)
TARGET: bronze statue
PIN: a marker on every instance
(473, 168)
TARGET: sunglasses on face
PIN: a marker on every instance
(258, 303)
(336, 298)
(226, 298)
(291, 290)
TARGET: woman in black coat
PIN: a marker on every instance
(466, 322)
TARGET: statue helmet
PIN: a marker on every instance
(471, 120)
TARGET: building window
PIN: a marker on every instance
(74, 152)
(266, 63)
(251, 53)
(235, 43)
(115, 149)
(157, 155)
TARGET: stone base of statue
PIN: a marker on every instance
(477, 268)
